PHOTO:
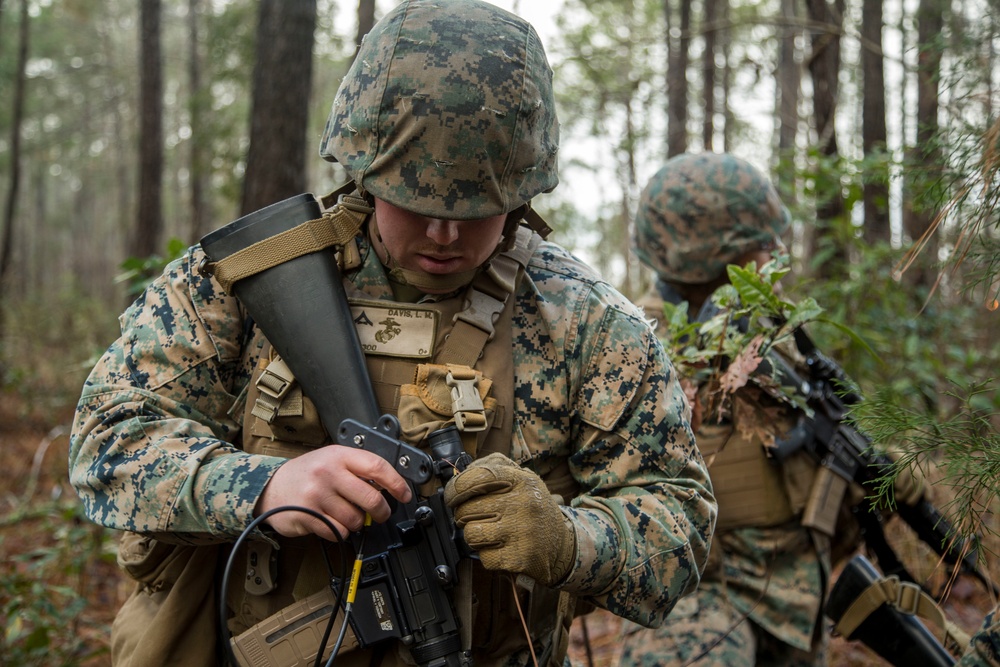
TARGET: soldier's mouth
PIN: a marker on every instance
(439, 263)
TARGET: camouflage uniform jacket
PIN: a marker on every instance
(984, 649)
(775, 575)
(155, 439)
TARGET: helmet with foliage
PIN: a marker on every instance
(448, 111)
(701, 212)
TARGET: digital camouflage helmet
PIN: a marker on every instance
(702, 212)
(448, 111)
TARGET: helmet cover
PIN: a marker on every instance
(447, 111)
(702, 212)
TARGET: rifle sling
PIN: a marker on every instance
(905, 597)
(336, 227)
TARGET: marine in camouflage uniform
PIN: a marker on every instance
(761, 597)
(445, 121)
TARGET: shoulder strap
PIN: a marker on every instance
(338, 225)
(536, 223)
(487, 298)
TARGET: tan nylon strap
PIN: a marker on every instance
(338, 225)
(463, 602)
(904, 596)
(330, 199)
(536, 222)
(473, 327)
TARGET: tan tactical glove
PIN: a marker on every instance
(512, 520)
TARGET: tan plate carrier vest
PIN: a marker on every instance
(752, 491)
(430, 365)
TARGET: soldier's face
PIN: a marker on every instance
(433, 245)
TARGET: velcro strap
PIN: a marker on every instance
(492, 288)
(337, 226)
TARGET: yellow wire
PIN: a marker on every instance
(352, 590)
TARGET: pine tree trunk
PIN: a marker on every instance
(708, 75)
(824, 66)
(17, 118)
(873, 130)
(201, 216)
(366, 21)
(276, 167)
(789, 85)
(677, 89)
(925, 164)
(145, 237)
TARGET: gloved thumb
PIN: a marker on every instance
(491, 474)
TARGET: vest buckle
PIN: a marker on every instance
(466, 404)
(273, 383)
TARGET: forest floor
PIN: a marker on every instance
(60, 587)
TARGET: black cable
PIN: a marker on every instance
(339, 601)
(350, 598)
(223, 621)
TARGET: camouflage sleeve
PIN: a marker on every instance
(612, 406)
(984, 649)
(151, 445)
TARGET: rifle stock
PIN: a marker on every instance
(899, 637)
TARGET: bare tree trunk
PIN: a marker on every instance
(1, 17)
(725, 42)
(17, 118)
(824, 66)
(873, 130)
(708, 74)
(276, 161)
(789, 86)
(630, 190)
(149, 225)
(677, 90)
(201, 214)
(924, 167)
(366, 21)
(36, 274)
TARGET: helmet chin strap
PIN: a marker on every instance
(429, 282)
(435, 283)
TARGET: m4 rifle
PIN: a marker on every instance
(829, 435)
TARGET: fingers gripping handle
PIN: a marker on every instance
(383, 439)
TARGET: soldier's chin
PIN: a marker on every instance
(439, 283)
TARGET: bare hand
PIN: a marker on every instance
(340, 483)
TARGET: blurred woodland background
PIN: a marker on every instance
(129, 129)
